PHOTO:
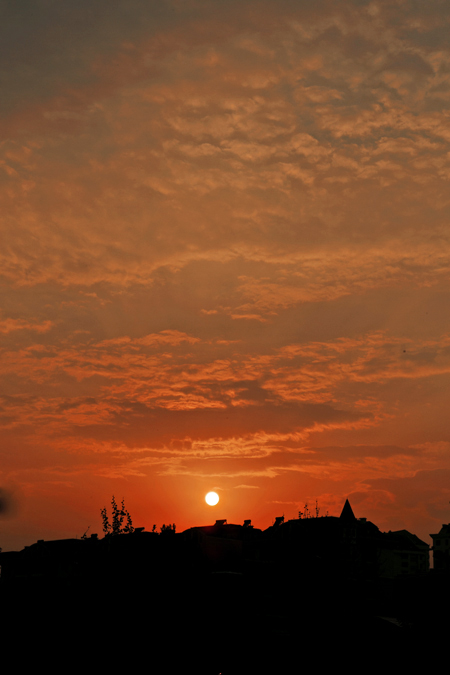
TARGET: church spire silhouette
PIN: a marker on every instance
(347, 512)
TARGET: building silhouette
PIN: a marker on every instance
(441, 549)
(345, 545)
(230, 597)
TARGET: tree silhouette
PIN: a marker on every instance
(307, 513)
(116, 526)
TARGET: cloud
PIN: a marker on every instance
(9, 325)
(226, 249)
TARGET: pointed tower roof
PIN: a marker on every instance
(347, 512)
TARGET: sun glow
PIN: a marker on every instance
(212, 498)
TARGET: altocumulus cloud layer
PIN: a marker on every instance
(225, 261)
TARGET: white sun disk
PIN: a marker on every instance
(212, 498)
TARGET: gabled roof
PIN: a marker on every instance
(404, 540)
(443, 532)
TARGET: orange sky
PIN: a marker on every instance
(224, 262)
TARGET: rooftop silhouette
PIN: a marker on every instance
(256, 579)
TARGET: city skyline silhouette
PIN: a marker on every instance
(236, 588)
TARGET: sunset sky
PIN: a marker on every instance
(225, 262)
